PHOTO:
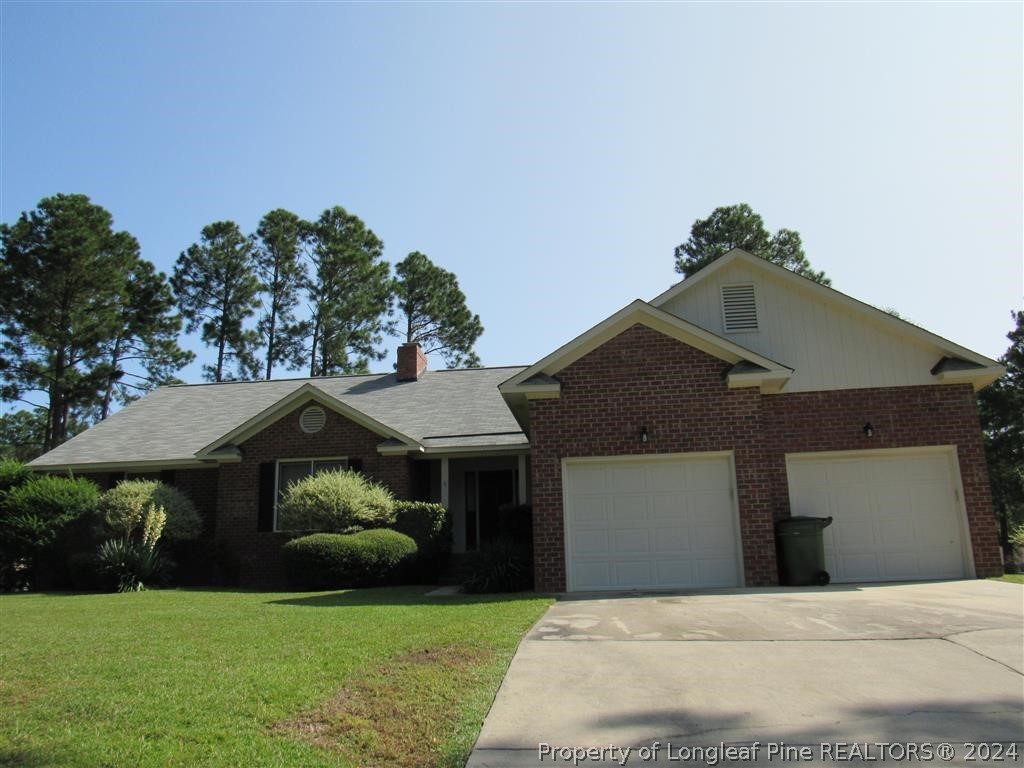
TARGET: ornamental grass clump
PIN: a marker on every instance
(340, 501)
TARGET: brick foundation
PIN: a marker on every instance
(644, 378)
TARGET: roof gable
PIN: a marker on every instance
(823, 293)
(538, 376)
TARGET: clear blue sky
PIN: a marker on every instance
(550, 155)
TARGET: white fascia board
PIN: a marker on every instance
(828, 295)
(641, 312)
(768, 382)
(309, 392)
(979, 377)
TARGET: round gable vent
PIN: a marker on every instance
(312, 419)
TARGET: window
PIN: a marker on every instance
(292, 470)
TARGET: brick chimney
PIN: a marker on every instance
(411, 362)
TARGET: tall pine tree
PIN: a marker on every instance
(738, 226)
(350, 295)
(62, 288)
(433, 312)
(1001, 408)
(217, 292)
(144, 353)
(282, 273)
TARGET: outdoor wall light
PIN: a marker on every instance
(644, 437)
(868, 429)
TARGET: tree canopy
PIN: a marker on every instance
(1001, 408)
(218, 291)
(738, 226)
(282, 274)
(350, 293)
(70, 288)
(434, 311)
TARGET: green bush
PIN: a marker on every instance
(341, 501)
(132, 509)
(502, 565)
(13, 473)
(1017, 536)
(429, 525)
(130, 564)
(339, 561)
(34, 516)
(84, 573)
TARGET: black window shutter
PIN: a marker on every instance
(356, 465)
(167, 476)
(265, 518)
(115, 478)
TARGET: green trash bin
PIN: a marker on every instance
(801, 551)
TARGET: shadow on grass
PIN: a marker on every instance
(26, 758)
(396, 596)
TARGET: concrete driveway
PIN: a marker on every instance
(930, 663)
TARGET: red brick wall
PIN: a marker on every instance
(259, 552)
(644, 378)
(200, 485)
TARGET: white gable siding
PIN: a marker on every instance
(830, 347)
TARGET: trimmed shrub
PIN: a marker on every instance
(341, 501)
(502, 565)
(133, 509)
(34, 518)
(339, 561)
(429, 525)
(13, 473)
(84, 573)
(130, 564)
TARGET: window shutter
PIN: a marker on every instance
(739, 308)
(167, 476)
(115, 478)
(265, 517)
(356, 465)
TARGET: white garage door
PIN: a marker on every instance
(896, 516)
(650, 524)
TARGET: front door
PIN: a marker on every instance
(486, 492)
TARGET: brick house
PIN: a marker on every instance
(657, 449)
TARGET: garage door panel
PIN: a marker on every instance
(715, 539)
(630, 572)
(663, 523)
(626, 478)
(629, 508)
(591, 542)
(666, 477)
(591, 510)
(707, 475)
(594, 574)
(895, 515)
(668, 540)
(898, 532)
(631, 541)
(668, 507)
(676, 571)
(851, 534)
(587, 480)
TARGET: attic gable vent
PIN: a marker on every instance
(312, 419)
(739, 308)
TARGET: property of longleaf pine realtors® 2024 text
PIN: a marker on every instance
(780, 751)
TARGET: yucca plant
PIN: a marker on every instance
(130, 563)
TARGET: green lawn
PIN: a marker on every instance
(199, 677)
(1016, 578)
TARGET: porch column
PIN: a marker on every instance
(522, 479)
(444, 482)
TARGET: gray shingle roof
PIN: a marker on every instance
(458, 409)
